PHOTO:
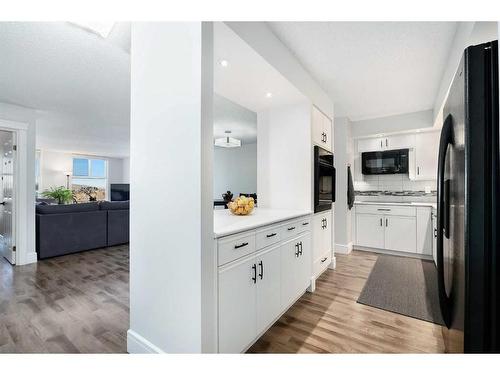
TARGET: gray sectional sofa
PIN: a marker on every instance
(66, 229)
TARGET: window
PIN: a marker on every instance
(90, 179)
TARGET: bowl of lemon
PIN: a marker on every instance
(241, 205)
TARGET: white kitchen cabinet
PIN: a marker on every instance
(237, 305)
(370, 144)
(425, 156)
(296, 268)
(398, 142)
(369, 230)
(268, 287)
(400, 233)
(322, 242)
(322, 130)
(424, 230)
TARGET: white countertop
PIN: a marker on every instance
(381, 203)
(225, 223)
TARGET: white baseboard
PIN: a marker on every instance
(343, 249)
(333, 263)
(28, 258)
(396, 253)
(136, 344)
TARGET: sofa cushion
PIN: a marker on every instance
(117, 205)
(67, 208)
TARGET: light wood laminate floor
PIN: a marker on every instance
(331, 321)
(76, 303)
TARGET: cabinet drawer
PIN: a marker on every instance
(304, 224)
(234, 247)
(386, 210)
(321, 264)
(291, 229)
(268, 236)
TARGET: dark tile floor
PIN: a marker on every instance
(76, 303)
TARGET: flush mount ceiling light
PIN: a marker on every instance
(224, 63)
(269, 95)
(227, 141)
(100, 28)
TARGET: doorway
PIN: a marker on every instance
(7, 196)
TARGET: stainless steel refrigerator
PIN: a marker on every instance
(468, 207)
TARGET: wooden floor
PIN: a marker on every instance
(80, 304)
(77, 303)
(330, 321)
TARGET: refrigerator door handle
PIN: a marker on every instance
(443, 201)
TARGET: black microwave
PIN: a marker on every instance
(324, 180)
(385, 162)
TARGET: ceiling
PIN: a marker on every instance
(248, 77)
(372, 69)
(79, 82)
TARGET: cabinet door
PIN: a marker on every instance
(327, 233)
(370, 230)
(327, 128)
(268, 287)
(426, 153)
(425, 233)
(370, 144)
(400, 233)
(317, 127)
(237, 306)
(303, 265)
(318, 237)
(397, 142)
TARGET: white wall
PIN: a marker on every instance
(284, 157)
(171, 213)
(468, 33)
(343, 157)
(235, 169)
(26, 253)
(54, 164)
(261, 38)
(403, 122)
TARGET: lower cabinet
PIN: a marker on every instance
(392, 227)
(296, 269)
(254, 290)
(322, 242)
(370, 230)
(237, 301)
(400, 233)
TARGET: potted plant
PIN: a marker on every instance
(61, 194)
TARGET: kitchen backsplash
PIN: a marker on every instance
(392, 182)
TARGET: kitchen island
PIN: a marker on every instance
(263, 266)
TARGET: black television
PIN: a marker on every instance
(120, 192)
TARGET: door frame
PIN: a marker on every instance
(21, 192)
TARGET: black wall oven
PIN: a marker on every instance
(324, 180)
(385, 162)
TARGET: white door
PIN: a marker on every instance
(317, 127)
(327, 233)
(237, 305)
(268, 287)
(400, 233)
(370, 144)
(397, 142)
(327, 128)
(290, 252)
(7, 227)
(426, 153)
(370, 230)
(319, 245)
(303, 265)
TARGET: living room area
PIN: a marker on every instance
(65, 97)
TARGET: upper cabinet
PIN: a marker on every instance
(392, 142)
(425, 155)
(322, 129)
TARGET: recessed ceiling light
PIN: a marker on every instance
(269, 95)
(100, 28)
(224, 63)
